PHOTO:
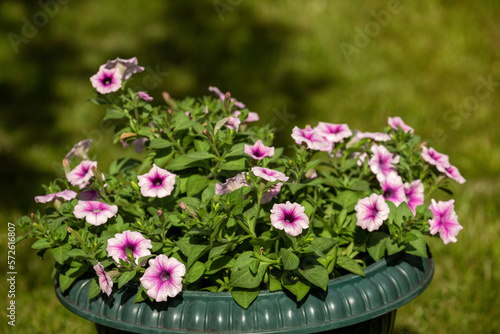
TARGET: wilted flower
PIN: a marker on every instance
(231, 184)
(145, 96)
(134, 242)
(233, 123)
(163, 278)
(158, 182)
(95, 212)
(252, 116)
(222, 97)
(79, 150)
(126, 67)
(271, 193)
(289, 217)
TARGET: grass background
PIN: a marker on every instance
(293, 62)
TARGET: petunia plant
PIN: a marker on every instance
(209, 204)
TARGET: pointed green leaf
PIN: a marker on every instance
(125, 278)
(349, 264)
(377, 244)
(94, 289)
(195, 272)
(316, 274)
(298, 287)
(244, 297)
(417, 246)
(290, 260)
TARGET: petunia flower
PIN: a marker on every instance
(311, 138)
(382, 161)
(431, 156)
(333, 132)
(271, 193)
(361, 158)
(414, 193)
(289, 217)
(82, 173)
(163, 278)
(231, 184)
(80, 150)
(158, 182)
(392, 188)
(270, 175)
(127, 67)
(371, 212)
(453, 173)
(233, 123)
(145, 96)
(252, 116)
(444, 220)
(259, 151)
(395, 122)
(375, 136)
(105, 282)
(66, 195)
(133, 241)
(222, 97)
(106, 81)
(88, 195)
(95, 212)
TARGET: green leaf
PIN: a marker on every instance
(296, 286)
(195, 184)
(141, 296)
(195, 272)
(60, 253)
(417, 246)
(190, 159)
(113, 114)
(41, 244)
(323, 244)
(290, 260)
(393, 247)
(125, 278)
(159, 143)
(316, 274)
(377, 244)
(77, 252)
(181, 121)
(94, 289)
(242, 277)
(244, 297)
(219, 263)
(123, 164)
(65, 282)
(254, 266)
(195, 253)
(238, 164)
(237, 150)
(349, 264)
(347, 199)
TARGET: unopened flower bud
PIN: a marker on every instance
(75, 234)
(188, 210)
(208, 135)
(168, 99)
(135, 186)
(227, 100)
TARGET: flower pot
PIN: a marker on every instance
(351, 304)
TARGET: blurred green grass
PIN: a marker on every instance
(284, 60)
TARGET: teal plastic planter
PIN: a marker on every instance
(351, 304)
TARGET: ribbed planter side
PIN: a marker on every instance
(349, 300)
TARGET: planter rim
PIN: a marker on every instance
(393, 281)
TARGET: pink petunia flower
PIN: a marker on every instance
(444, 220)
(312, 139)
(270, 175)
(375, 136)
(395, 122)
(95, 213)
(289, 217)
(105, 282)
(231, 184)
(82, 173)
(453, 173)
(361, 158)
(271, 193)
(66, 195)
(392, 188)
(371, 212)
(163, 278)
(145, 96)
(382, 161)
(431, 156)
(133, 241)
(233, 123)
(252, 116)
(222, 97)
(333, 132)
(259, 151)
(158, 182)
(126, 67)
(88, 195)
(414, 193)
(106, 81)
